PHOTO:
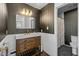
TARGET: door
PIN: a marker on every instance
(60, 29)
(71, 25)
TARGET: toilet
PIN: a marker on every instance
(74, 45)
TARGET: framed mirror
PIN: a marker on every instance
(25, 22)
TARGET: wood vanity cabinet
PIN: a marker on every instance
(26, 44)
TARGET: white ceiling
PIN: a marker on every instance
(58, 5)
(37, 5)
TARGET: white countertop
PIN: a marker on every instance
(19, 36)
(25, 35)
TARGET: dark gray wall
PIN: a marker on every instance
(16, 8)
(47, 18)
(71, 24)
(44, 17)
(3, 16)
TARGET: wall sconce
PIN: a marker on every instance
(26, 12)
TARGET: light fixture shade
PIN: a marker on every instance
(23, 11)
(27, 12)
(30, 13)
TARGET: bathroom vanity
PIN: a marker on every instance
(28, 46)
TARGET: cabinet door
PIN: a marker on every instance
(20, 46)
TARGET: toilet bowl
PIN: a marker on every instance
(74, 45)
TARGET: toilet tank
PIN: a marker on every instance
(74, 40)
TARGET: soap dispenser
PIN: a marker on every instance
(47, 28)
(41, 30)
